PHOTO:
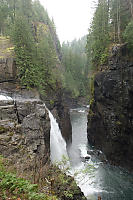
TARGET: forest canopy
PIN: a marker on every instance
(36, 44)
(112, 24)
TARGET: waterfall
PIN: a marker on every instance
(57, 143)
(4, 97)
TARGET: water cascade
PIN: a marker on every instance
(89, 167)
(57, 143)
(94, 175)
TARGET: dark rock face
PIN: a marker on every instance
(61, 112)
(110, 120)
(24, 132)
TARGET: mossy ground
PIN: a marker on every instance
(52, 185)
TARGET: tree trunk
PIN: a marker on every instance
(131, 7)
(114, 32)
(118, 21)
(14, 10)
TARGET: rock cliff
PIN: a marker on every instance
(8, 68)
(110, 120)
(24, 131)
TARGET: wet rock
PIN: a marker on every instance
(61, 112)
(87, 157)
(7, 112)
(110, 120)
(25, 133)
(24, 107)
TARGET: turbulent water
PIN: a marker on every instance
(95, 177)
(57, 143)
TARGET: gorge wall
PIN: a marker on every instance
(110, 120)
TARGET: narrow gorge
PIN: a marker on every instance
(66, 107)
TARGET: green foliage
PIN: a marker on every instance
(110, 20)
(128, 35)
(64, 186)
(104, 57)
(40, 15)
(11, 185)
(24, 51)
(3, 15)
(89, 169)
(33, 34)
(120, 15)
(75, 62)
(98, 37)
(53, 184)
(3, 129)
(51, 102)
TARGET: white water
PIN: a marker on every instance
(83, 170)
(92, 176)
(57, 143)
(95, 178)
(5, 98)
(58, 151)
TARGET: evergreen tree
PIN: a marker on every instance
(24, 49)
(39, 14)
(74, 60)
(128, 35)
(98, 37)
(26, 8)
(3, 15)
(31, 31)
(120, 17)
(110, 20)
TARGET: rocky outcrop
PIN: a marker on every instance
(7, 69)
(110, 120)
(62, 113)
(24, 132)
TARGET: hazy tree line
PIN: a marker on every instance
(76, 71)
(112, 24)
(31, 31)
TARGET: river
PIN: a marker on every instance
(95, 177)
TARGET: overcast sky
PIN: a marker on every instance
(71, 17)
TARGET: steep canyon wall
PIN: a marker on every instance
(110, 120)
